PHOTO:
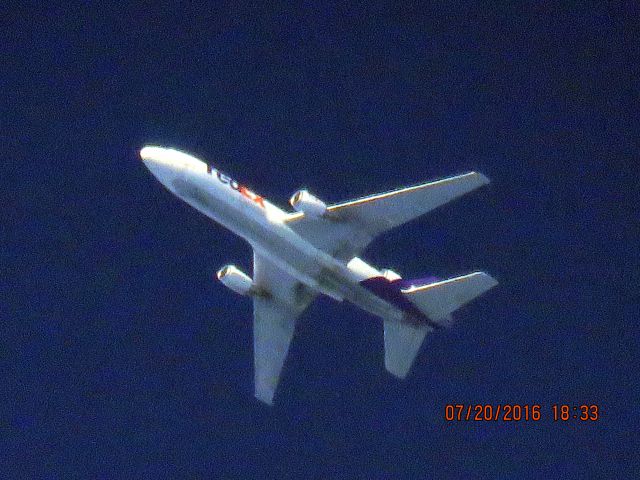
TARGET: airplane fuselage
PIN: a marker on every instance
(315, 250)
(263, 225)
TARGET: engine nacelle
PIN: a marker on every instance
(390, 275)
(304, 202)
(235, 279)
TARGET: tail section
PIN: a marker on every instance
(402, 342)
(439, 299)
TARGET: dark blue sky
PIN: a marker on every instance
(121, 357)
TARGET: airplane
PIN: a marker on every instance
(315, 250)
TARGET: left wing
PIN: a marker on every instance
(274, 320)
(347, 228)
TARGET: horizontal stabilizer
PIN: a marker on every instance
(402, 343)
(437, 300)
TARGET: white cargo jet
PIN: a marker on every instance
(315, 250)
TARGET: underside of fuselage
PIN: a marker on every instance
(316, 250)
(314, 268)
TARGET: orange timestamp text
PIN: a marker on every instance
(515, 412)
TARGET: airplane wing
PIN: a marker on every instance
(274, 321)
(346, 229)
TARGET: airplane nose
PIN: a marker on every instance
(151, 153)
(158, 161)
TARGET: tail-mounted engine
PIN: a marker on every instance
(304, 202)
(390, 275)
(365, 271)
(236, 280)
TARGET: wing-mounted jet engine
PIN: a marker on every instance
(304, 202)
(235, 279)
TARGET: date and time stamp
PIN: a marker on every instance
(563, 413)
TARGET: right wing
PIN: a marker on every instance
(274, 320)
(347, 228)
